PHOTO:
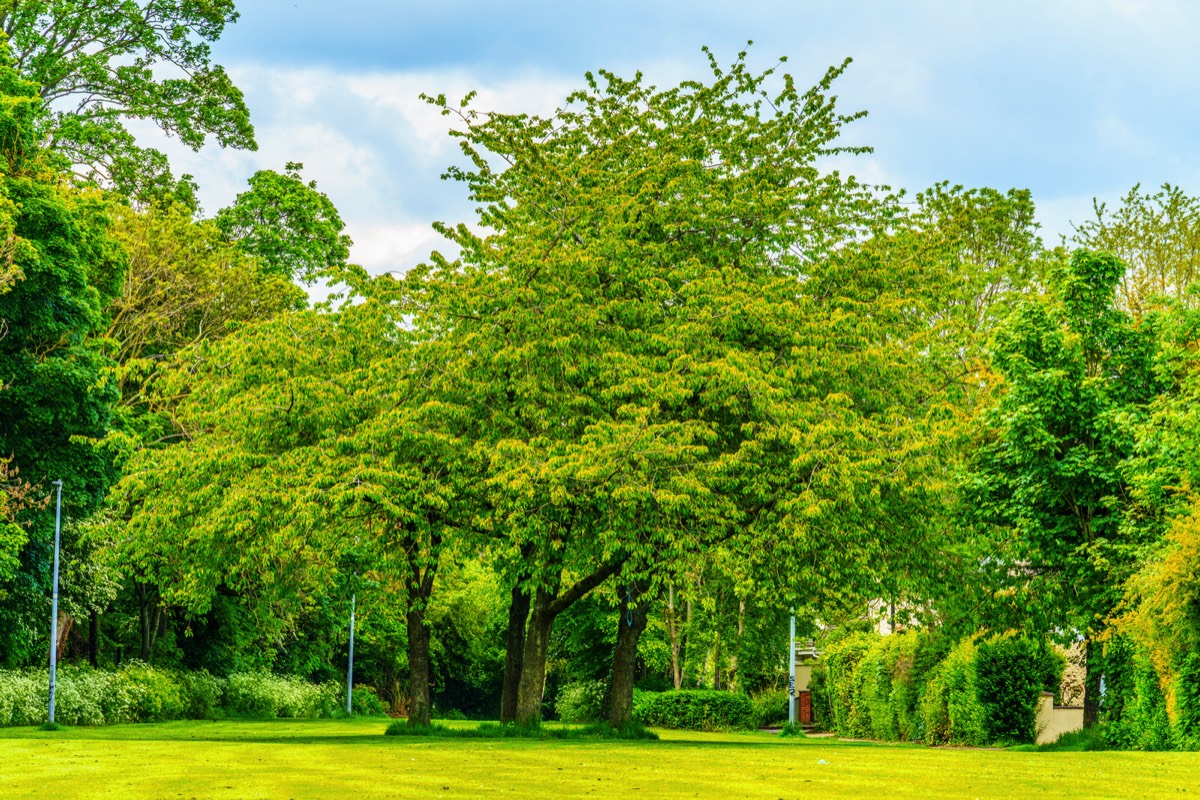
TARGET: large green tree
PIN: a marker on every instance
(97, 64)
(54, 393)
(651, 365)
(1078, 374)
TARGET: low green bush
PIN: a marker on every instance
(366, 703)
(580, 702)
(769, 708)
(696, 710)
(263, 694)
(140, 693)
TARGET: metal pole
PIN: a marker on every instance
(54, 602)
(350, 670)
(791, 663)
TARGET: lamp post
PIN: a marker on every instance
(791, 668)
(350, 667)
(54, 602)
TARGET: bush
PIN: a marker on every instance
(580, 702)
(1009, 683)
(152, 695)
(770, 708)
(950, 708)
(696, 710)
(263, 694)
(366, 703)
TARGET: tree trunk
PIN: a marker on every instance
(635, 613)
(148, 623)
(94, 638)
(418, 668)
(673, 632)
(546, 607)
(65, 623)
(518, 615)
(420, 578)
(716, 657)
(533, 660)
(1091, 685)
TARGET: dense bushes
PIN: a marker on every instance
(696, 710)
(140, 693)
(580, 702)
(916, 687)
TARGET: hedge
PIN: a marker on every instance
(916, 686)
(695, 710)
(140, 693)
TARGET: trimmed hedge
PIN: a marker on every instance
(694, 710)
(915, 687)
(140, 693)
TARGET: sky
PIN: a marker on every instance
(1072, 99)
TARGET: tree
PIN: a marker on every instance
(1157, 236)
(293, 229)
(1079, 374)
(649, 368)
(99, 63)
(54, 393)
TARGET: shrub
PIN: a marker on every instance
(366, 703)
(154, 695)
(950, 708)
(1009, 680)
(769, 707)
(580, 702)
(841, 659)
(697, 710)
(263, 694)
(24, 697)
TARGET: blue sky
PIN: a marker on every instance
(1073, 99)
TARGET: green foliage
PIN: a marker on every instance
(121, 60)
(950, 707)
(291, 228)
(696, 710)
(262, 694)
(1009, 681)
(769, 707)
(580, 702)
(491, 730)
(365, 702)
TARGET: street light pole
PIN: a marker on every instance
(791, 667)
(350, 669)
(54, 602)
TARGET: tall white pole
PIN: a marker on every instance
(350, 669)
(791, 667)
(54, 602)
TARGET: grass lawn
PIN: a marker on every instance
(352, 759)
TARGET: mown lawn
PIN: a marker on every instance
(352, 759)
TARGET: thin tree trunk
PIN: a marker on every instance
(684, 649)
(1091, 685)
(716, 657)
(518, 615)
(420, 588)
(418, 668)
(673, 632)
(94, 638)
(635, 613)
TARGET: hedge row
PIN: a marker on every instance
(701, 710)
(140, 693)
(918, 686)
(1147, 707)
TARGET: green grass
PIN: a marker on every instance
(352, 758)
